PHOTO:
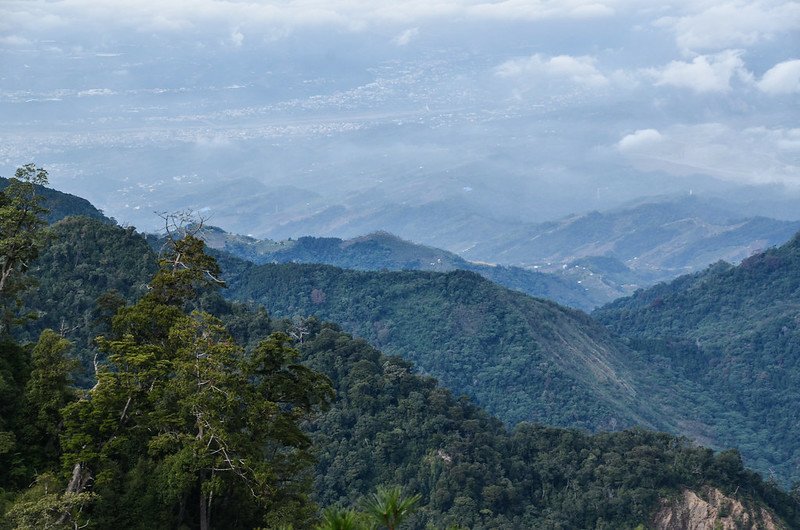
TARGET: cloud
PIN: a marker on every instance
(638, 139)
(237, 37)
(406, 36)
(352, 15)
(783, 78)
(14, 40)
(539, 10)
(706, 73)
(580, 70)
(720, 25)
(754, 155)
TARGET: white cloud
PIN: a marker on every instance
(580, 70)
(751, 155)
(539, 9)
(719, 25)
(706, 73)
(638, 139)
(406, 36)
(353, 15)
(14, 40)
(783, 78)
(237, 37)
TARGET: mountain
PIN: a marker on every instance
(381, 250)
(662, 238)
(521, 358)
(735, 332)
(391, 425)
(62, 204)
(598, 256)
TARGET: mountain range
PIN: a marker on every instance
(587, 260)
(674, 366)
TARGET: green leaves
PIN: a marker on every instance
(390, 506)
(218, 427)
(21, 224)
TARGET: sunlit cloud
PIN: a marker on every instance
(783, 78)
(579, 70)
(705, 73)
(729, 24)
(406, 37)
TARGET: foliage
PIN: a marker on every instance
(44, 506)
(178, 399)
(343, 519)
(389, 425)
(21, 223)
(87, 270)
(521, 358)
(143, 447)
(734, 334)
(60, 205)
(390, 506)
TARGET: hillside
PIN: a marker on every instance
(62, 204)
(735, 332)
(519, 357)
(381, 250)
(390, 425)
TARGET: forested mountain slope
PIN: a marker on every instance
(521, 358)
(60, 204)
(381, 250)
(390, 425)
(735, 331)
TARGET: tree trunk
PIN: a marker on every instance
(205, 513)
(78, 480)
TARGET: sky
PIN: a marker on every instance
(541, 107)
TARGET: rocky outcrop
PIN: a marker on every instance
(712, 510)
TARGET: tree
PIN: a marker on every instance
(21, 223)
(47, 391)
(216, 427)
(390, 506)
(343, 519)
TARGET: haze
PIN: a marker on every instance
(340, 117)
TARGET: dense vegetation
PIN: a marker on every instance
(735, 331)
(383, 251)
(521, 358)
(60, 204)
(191, 416)
(389, 425)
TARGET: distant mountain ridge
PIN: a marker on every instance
(528, 358)
(521, 358)
(590, 259)
(673, 235)
(382, 250)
